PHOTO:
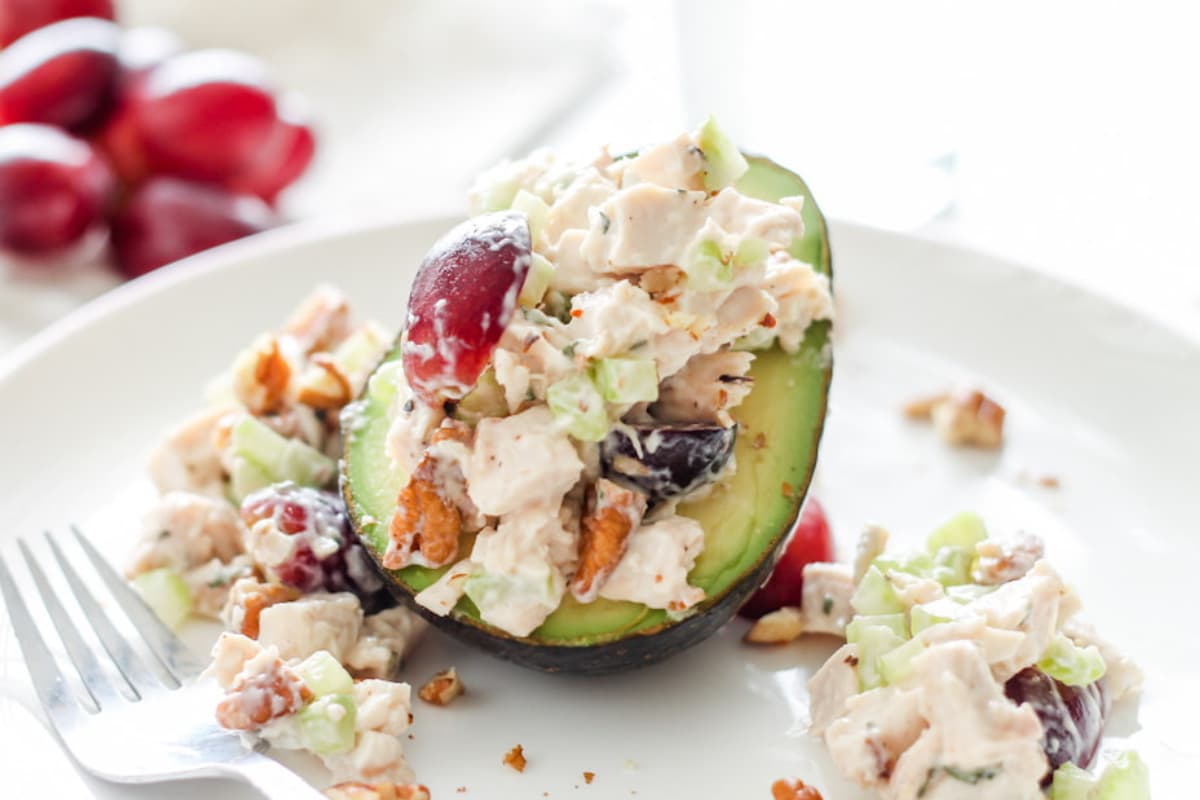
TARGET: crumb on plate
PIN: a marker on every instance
(781, 626)
(442, 688)
(964, 418)
(588, 777)
(353, 790)
(515, 758)
(793, 790)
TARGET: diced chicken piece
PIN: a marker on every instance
(383, 707)
(229, 656)
(742, 312)
(188, 459)
(1029, 605)
(874, 730)
(384, 641)
(210, 583)
(514, 377)
(246, 600)
(533, 359)
(321, 322)
(706, 388)
(521, 461)
(802, 296)
(356, 790)
(442, 595)
(316, 622)
(570, 210)
(613, 512)
(656, 564)
(613, 321)
(1122, 676)
(184, 531)
(1000, 561)
(518, 583)
(262, 376)
(537, 173)
(913, 591)
(783, 625)
(749, 217)
(977, 744)
(831, 686)
(677, 164)
(376, 757)
(1000, 647)
(826, 597)
(643, 226)
(413, 422)
(572, 271)
(871, 544)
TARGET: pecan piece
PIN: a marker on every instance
(321, 322)
(424, 522)
(261, 376)
(442, 688)
(794, 790)
(249, 597)
(353, 790)
(963, 418)
(515, 758)
(612, 514)
(323, 385)
(257, 697)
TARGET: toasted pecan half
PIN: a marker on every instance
(611, 515)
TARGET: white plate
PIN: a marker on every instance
(1097, 397)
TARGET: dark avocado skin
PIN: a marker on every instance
(652, 644)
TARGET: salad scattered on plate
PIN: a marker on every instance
(585, 452)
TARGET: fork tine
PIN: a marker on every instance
(58, 701)
(172, 652)
(127, 662)
(94, 680)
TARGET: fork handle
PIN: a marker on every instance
(273, 780)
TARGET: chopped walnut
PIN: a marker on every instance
(588, 777)
(442, 688)
(612, 513)
(321, 322)
(781, 626)
(323, 385)
(793, 790)
(963, 418)
(266, 689)
(261, 376)
(246, 602)
(377, 791)
(1004, 560)
(515, 758)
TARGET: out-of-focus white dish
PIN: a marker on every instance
(1098, 397)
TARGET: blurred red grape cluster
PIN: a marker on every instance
(106, 129)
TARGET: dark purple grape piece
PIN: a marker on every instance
(1072, 716)
(667, 461)
(301, 511)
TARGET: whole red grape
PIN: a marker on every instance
(290, 157)
(145, 47)
(54, 188)
(61, 75)
(19, 17)
(207, 115)
(318, 521)
(463, 296)
(811, 542)
(1072, 717)
(167, 219)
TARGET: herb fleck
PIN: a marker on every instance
(968, 776)
(163, 534)
(827, 605)
(569, 350)
(623, 156)
(639, 344)
(409, 405)
(605, 222)
(218, 581)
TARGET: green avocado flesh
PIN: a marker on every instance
(745, 519)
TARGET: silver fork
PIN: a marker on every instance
(139, 727)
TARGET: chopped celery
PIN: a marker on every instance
(1126, 778)
(896, 665)
(926, 616)
(917, 564)
(963, 530)
(166, 594)
(757, 339)
(897, 623)
(498, 196)
(537, 281)
(1071, 783)
(873, 643)
(750, 251)
(271, 458)
(489, 591)
(534, 208)
(485, 400)
(327, 724)
(952, 566)
(385, 382)
(578, 406)
(324, 674)
(627, 380)
(708, 268)
(360, 352)
(875, 595)
(723, 162)
(1071, 664)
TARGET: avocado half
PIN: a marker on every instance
(746, 520)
